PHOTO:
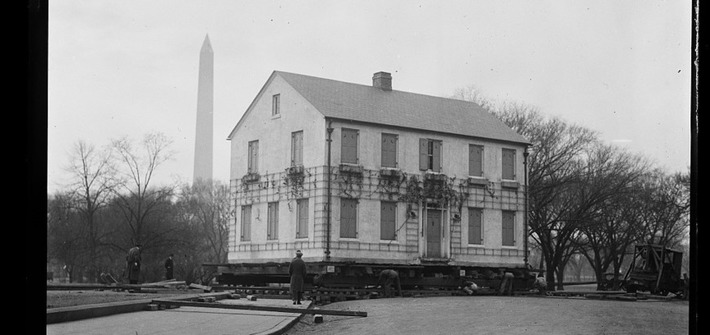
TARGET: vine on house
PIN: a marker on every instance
(390, 184)
(294, 180)
(348, 181)
(441, 189)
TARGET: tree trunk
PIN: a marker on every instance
(560, 277)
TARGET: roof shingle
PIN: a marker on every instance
(348, 101)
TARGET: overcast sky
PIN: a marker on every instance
(129, 67)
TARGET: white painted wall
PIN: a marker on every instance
(274, 133)
(454, 153)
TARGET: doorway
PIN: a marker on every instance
(433, 233)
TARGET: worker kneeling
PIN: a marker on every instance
(387, 279)
(470, 288)
(540, 284)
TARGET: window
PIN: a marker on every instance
(297, 148)
(302, 213)
(253, 158)
(509, 164)
(349, 141)
(475, 226)
(348, 218)
(246, 223)
(430, 155)
(272, 221)
(389, 150)
(276, 105)
(475, 160)
(508, 228)
(388, 211)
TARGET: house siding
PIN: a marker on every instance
(274, 185)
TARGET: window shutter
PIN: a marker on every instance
(302, 227)
(508, 164)
(293, 149)
(436, 162)
(475, 160)
(246, 223)
(253, 156)
(387, 220)
(423, 154)
(273, 221)
(475, 231)
(389, 150)
(349, 146)
(348, 218)
(250, 157)
(508, 228)
(297, 148)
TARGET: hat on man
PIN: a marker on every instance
(299, 253)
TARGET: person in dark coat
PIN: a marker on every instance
(133, 264)
(297, 271)
(506, 286)
(387, 279)
(169, 267)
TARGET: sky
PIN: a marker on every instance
(127, 68)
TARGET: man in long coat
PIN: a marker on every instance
(133, 264)
(297, 271)
(169, 267)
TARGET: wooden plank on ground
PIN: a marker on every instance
(259, 308)
(200, 287)
(585, 292)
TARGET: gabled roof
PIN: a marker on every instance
(356, 102)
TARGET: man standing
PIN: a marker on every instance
(297, 271)
(506, 286)
(169, 267)
(387, 279)
(133, 264)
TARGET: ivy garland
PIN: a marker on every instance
(347, 180)
(390, 185)
(443, 191)
(294, 180)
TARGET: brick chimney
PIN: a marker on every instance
(382, 80)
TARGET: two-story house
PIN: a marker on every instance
(364, 173)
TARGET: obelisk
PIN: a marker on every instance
(204, 125)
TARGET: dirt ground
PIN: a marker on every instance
(460, 315)
(502, 315)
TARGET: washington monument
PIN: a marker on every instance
(203, 130)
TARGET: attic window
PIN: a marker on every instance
(276, 105)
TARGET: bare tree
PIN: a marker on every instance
(555, 178)
(64, 233)
(92, 184)
(474, 94)
(136, 197)
(666, 206)
(610, 224)
(208, 207)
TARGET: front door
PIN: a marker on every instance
(433, 233)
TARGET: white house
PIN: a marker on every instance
(413, 178)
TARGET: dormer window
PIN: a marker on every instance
(276, 105)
